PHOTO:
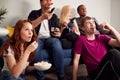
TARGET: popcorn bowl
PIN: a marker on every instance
(42, 65)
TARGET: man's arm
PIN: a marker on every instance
(100, 29)
(37, 19)
(75, 66)
(113, 42)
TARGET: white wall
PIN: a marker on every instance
(115, 14)
(19, 9)
(98, 9)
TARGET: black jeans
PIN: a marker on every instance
(109, 67)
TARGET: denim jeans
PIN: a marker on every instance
(5, 75)
(2, 40)
(109, 68)
(53, 47)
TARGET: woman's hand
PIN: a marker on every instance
(56, 32)
(32, 46)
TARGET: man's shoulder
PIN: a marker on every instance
(54, 16)
(36, 11)
(76, 18)
(82, 37)
(94, 18)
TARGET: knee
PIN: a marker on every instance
(55, 40)
(114, 54)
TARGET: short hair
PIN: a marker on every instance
(79, 7)
(84, 19)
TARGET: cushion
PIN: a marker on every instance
(3, 31)
(11, 30)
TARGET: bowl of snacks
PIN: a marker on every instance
(43, 65)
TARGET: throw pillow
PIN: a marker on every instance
(11, 30)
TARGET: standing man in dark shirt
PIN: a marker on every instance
(42, 21)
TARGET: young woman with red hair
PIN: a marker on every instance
(18, 51)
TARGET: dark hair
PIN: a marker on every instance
(84, 19)
(15, 41)
(79, 7)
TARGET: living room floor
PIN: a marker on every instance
(51, 75)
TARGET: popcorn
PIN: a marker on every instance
(42, 65)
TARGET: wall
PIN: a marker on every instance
(19, 9)
(115, 14)
(99, 9)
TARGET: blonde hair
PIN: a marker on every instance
(65, 14)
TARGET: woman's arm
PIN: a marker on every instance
(15, 67)
(63, 26)
(75, 28)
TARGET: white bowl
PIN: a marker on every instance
(42, 65)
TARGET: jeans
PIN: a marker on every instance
(5, 75)
(109, 68)
(1, 63)
(2, 40)
(53, 47)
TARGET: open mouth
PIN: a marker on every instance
(49, 4)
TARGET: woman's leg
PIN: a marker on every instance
(6, 75)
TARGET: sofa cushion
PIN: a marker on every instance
(10, 29)
(3, 32)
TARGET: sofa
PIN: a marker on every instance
(2, 39)
(68, 57)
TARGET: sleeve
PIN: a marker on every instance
(78, 46)
(10, 52)
(106, 39)
(32, 15)
(55, 21)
